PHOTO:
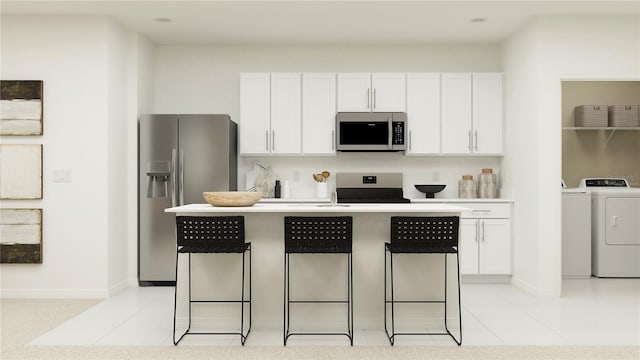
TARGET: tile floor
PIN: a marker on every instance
(590, 312)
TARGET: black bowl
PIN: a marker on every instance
(430, 190)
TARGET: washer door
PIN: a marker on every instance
(623, 221)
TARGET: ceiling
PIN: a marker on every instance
(321, 22)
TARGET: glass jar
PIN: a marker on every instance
(467, 187)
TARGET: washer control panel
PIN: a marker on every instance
(606, 182)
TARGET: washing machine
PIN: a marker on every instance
(615, 227)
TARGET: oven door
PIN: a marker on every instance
(364, 131)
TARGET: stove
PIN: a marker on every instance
(370, 188)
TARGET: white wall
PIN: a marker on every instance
(80, 61)
(140, 87)
(205, 79)
(536, 60)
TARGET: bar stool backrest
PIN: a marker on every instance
(209, 234)
(327, 234)
(425, 232)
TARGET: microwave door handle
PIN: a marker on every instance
(390, 143)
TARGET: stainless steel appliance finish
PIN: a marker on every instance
(179, 158)
(365, 131)
(370, 188)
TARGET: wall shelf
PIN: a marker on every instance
(636, 128)
(611, 129)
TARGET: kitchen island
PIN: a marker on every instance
(324, 277)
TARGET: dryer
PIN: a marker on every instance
(615, 227)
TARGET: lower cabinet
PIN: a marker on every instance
(485, 244)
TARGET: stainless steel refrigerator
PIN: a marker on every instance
(179, 158)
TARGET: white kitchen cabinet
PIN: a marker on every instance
(485, 240)
(270, 113)
(255, 113)
(423, 113)
(378, 92)
(318, 113)
(487, 113)
(472, 113)
(286, 98)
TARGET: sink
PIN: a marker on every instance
(430, 190)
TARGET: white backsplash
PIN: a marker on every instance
(298, 170)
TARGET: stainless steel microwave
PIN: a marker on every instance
(369, 131)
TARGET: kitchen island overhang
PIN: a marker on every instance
(264, 228)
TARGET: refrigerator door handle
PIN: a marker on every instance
(173, 178)
(181, 168)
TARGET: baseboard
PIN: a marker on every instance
(122, 285)
(54, 294)
(524, 286)
(485, 279)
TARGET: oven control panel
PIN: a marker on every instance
(369, 179)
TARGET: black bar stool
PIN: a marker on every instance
(422, 235)
(212, 235)
(318, 235)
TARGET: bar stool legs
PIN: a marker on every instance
(391, 335)
(288, 301)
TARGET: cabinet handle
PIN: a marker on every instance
(374, 98)
(470, 146)
(480, 211)
(266, 140)
(368, 98)
(476, 145)
(409, 139)
(333, 140)
(483, 231)
(477, 231)
(273, 140)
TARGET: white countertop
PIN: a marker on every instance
(444, 200)
(294, 200)
(319, 208)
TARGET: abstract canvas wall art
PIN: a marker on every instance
(21, 107)
(20, 171)
(21, 236)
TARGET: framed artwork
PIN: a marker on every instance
(20, 171)
(21, 236)
(21, 107)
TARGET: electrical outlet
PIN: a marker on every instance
(61, 175)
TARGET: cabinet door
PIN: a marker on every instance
(423, 113)
(456, 113)
(354, 92)
(318, 114)
(255, 109)
(487, 113)
(495, 246)
(468, 246)
(388, 92)
(286, 113)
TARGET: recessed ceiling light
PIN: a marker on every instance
(478, 20)
(162, 20)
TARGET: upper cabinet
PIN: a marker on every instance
(318, 113)
(423, 113)
(255, 113)
(270, 113)
(378, 92)
(472, 113)
(487, 113)
(286, 115)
